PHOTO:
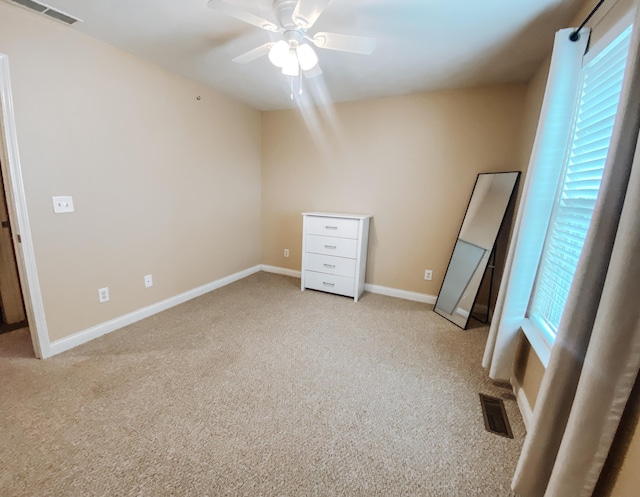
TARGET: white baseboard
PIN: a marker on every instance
(382, 290)
(401, 294)
(523, 402)
(280, 270)
(84, 336)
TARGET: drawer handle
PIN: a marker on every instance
(330, 266)
(331, 227)
(328, 284)
(330, 247)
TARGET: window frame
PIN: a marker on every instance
(540, 339)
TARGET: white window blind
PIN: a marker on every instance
(596, 110)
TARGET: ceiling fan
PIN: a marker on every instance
(294, 52)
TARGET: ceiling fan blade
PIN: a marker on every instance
(307, 12)
(254, 54)
(242, 15)
(345, 43)
(314, 72)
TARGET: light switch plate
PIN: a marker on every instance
(62, 204)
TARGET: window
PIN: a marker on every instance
(599, 96)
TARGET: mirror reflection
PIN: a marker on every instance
(484, 217)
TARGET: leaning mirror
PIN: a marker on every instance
(473, 248)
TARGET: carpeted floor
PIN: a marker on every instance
(258, 389)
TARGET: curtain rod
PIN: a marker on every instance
(575, 36)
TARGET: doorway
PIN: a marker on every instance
(12, 310)
(20, 295)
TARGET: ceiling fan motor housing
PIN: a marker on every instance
(284, 13)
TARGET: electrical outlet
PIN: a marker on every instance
(286, 252)
(103, 294)
(148, 281)
(428, 274)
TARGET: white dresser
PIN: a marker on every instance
(334, 252)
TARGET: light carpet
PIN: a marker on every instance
(258, 389)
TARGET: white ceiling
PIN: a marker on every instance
(422, 45)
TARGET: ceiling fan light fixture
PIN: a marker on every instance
(291, 66)
(307, 57)
(279, 53)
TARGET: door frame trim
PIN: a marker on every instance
(18, 216)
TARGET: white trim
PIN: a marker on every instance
(616, 30)
(89, 334)
(381, 290)
(18, 216)
(280, 270)
(523, 402)
(401, 294)
(84, 336)
(538, 341)
(337, 214)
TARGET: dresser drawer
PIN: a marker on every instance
(331, 265)
(332, 226)
(329, 245)
(329, 283)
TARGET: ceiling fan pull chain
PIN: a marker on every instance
(291, 92)
(300, 88)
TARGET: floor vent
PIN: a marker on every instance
(47, 11)
(495, 416)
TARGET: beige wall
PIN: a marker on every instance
(528, 370)
(409, 161)
(163, 183)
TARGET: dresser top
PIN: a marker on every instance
(337, 214)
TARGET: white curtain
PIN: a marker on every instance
(536, 202)
(596, 357)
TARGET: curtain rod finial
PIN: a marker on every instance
(575, 36)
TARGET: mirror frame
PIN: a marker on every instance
(512, 196)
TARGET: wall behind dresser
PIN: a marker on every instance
(409, 161)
